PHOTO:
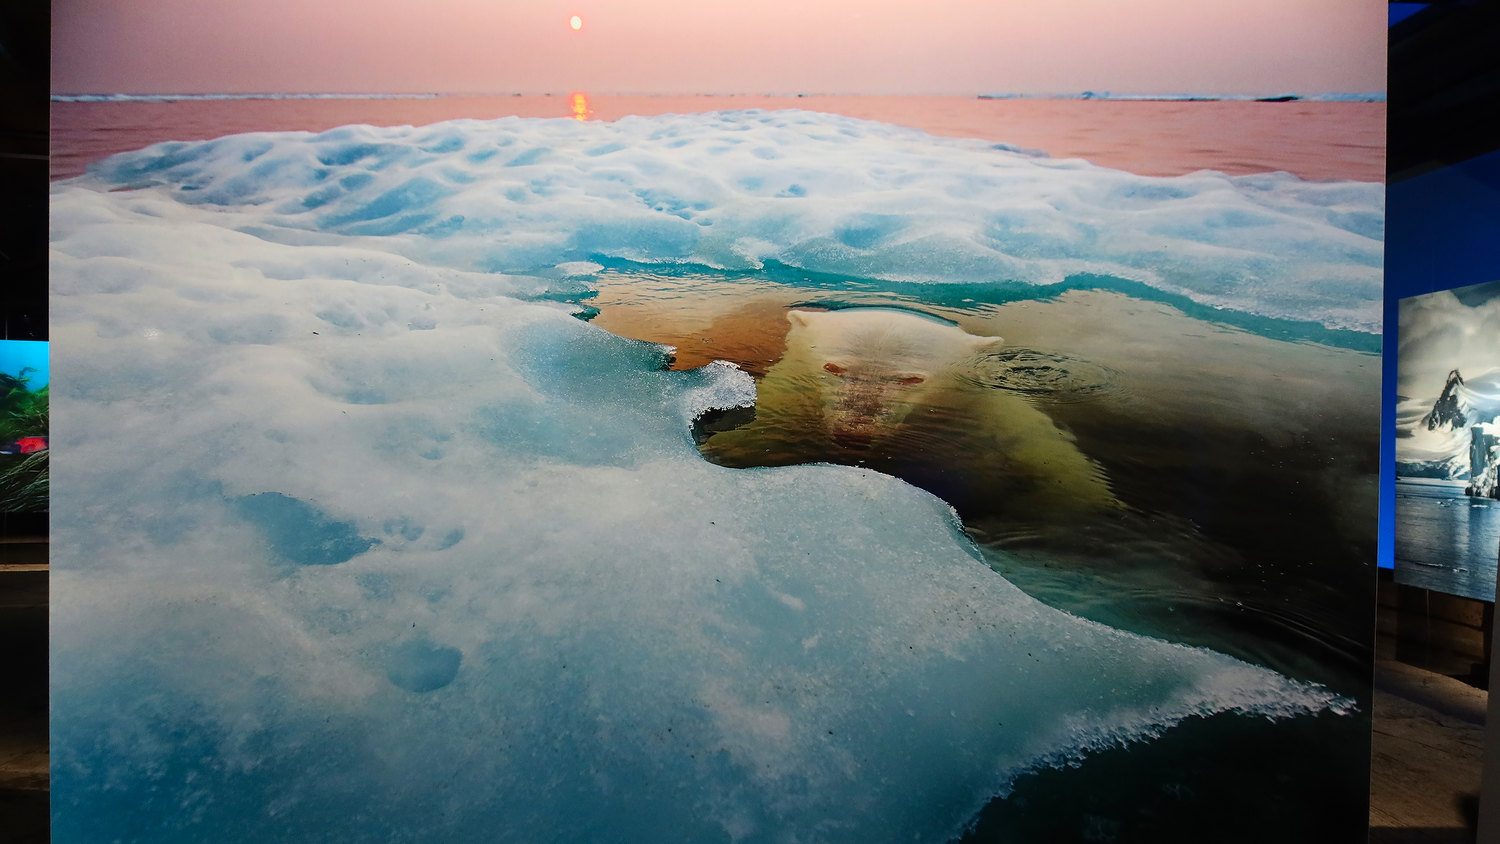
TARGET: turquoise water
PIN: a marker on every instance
(18, 355)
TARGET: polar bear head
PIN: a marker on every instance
(871, 367)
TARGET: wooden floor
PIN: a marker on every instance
(23, 690)
(1426, 758)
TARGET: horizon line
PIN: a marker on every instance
(90, 96)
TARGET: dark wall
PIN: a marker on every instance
(24, 72)
(1443, 163)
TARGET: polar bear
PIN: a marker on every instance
(894, 390)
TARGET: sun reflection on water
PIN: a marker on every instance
(581, 110)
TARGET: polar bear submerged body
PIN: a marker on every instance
(891, 390)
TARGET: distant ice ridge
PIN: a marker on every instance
(167, 98)
(824, 193)
(356, 547)
(1331, 97)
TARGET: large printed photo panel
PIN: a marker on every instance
(606, 467)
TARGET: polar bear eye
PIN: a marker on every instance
(834, 368)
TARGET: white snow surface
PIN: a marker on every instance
(819, 192)
(357, 538)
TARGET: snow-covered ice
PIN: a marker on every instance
(359, 534)
(814, 191)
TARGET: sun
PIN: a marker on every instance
(576, 22)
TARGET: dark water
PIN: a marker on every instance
(1245, 465)
(1245, 469)
(1223, 779)
(1445, 540)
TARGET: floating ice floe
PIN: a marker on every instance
(819, 192)
(357, 537)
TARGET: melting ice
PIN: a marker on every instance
(360, 535)
(824, 193)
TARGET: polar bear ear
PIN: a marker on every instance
(798, 317)
(982, 343)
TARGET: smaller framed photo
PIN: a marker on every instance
(1447, 477)
(24, 376)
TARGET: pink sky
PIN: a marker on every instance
(719, 46)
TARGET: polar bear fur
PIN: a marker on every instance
(892, 390)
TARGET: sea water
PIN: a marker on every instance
(431, 553)
(1446, 540)
(1315, 140)
(1201, 427)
